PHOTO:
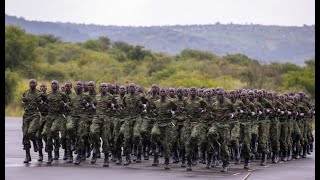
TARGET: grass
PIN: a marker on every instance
(313, 124)
(13, 111)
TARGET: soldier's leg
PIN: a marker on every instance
(182, 134)
(145, 135)
(289, 139)
(214, 145)
(254, 138)
(137, 140)
(118, 138)
(87, 139)
(80, 136)
(40, 137)
(46, 133)
(127, 134)
(54, 133)
(155, 140)
(26, 120)
(95, 131)
(283, 140)
(106, 133)
(203, 143)
(274, 139)
(246, 142)
(234, 141)
(167, 142)
(224, 131)
(263, 141)
(63, 139)
(175, 141)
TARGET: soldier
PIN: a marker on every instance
(194, 106)
(162, 129)
(31, 118)
(63, 129)
(43, 108)
(101, 123)
(91, 111)
(246, 111)
(78, 102)
(234, 130)
(56, 102)
(219, 133)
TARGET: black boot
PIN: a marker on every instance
(72, 145)
(215, 161)
(246, 163)
(65, 154)
(28, 156)
(189, 165)
(40, 159)
(183, 160)
(289, 155)
(146, 156)
(304, 151)
(175, 157)
(119, 158)
(138, 157)
(98, 152)
(128, 161)
(225, 166)
(237, 156)
(311, 147)
(106, 160)
(263, 159)
(296, 153)
(78, 158)
(155, 159)
(195, 158)
(83, 154)
(94, 155)
(56, 154)
(88, 151)
(35, 146)
(209, 157)
(166, 163)
(308, 149)
(284, 156)
(49, 157)
(275, 157)
(70, 157)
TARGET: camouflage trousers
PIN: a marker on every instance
(30, 126)
(192, 134)
(284, 135)
(235, 134)
(274, 134)
(303, 129)
(100, 127)
(77, 129)
(219, 135)
(161, 133)
(296, 134)
(290, 132)
(245, 137)
(51, 130)
(309, 130)
(118, 137)
(254, 132)
(39, 136)
(130, 130)
(63, 132)
(263, 132)
(178, 138)
(145, 130)
(204, 144)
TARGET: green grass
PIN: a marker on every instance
(13, 111)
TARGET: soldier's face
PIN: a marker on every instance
(251, 96)
(171, 93)
(163, 93)
(193, 92)
(78, 87)
(214, 93)
(67, 87)
(122, 91)
(132, 89)
(180, 93)
(243, 97)
(154, 89)
(91, 87)
(103, 88)
(54, 86)
(43, 88)
(32, 84)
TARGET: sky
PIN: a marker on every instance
(166, 12)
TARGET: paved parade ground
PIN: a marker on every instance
(15, 168)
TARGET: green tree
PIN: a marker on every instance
(11, 81)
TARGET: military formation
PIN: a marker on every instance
(188, 125)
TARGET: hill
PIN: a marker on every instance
(264, 43)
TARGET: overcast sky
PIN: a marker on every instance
(166, 12)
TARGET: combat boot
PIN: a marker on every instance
(202, 157)
(49, 157)
(308, 149)
(83, 154)
(56, 154)
(138, 157)
(311, 147)
(237, 156)
(70, 157)
(98, 152)
(304, 151)
(189, 165)
(194, 158)
(40, 159)
(78, 159)
(88, 151)
(225, 166)
(175, 157)
(146, 155)
(106, 160)
(296, 153)
(289, 155)
(209, 157)
(263, 159)
(128, 161)
(166, 163)
(215, 161)
(183, 160)
(246, 163)
(72, 145)
(94, 155)
(35, 146)
(275, 157)
(155, 159)
(284, 156)
(119, 158)
(28, 156)
(65, 154)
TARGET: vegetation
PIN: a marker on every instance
(46, 57)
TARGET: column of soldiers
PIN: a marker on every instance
(206, 125)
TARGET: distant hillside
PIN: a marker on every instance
(264, 43)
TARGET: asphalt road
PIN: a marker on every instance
(15, 168)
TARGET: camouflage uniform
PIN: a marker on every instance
(118, 129)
